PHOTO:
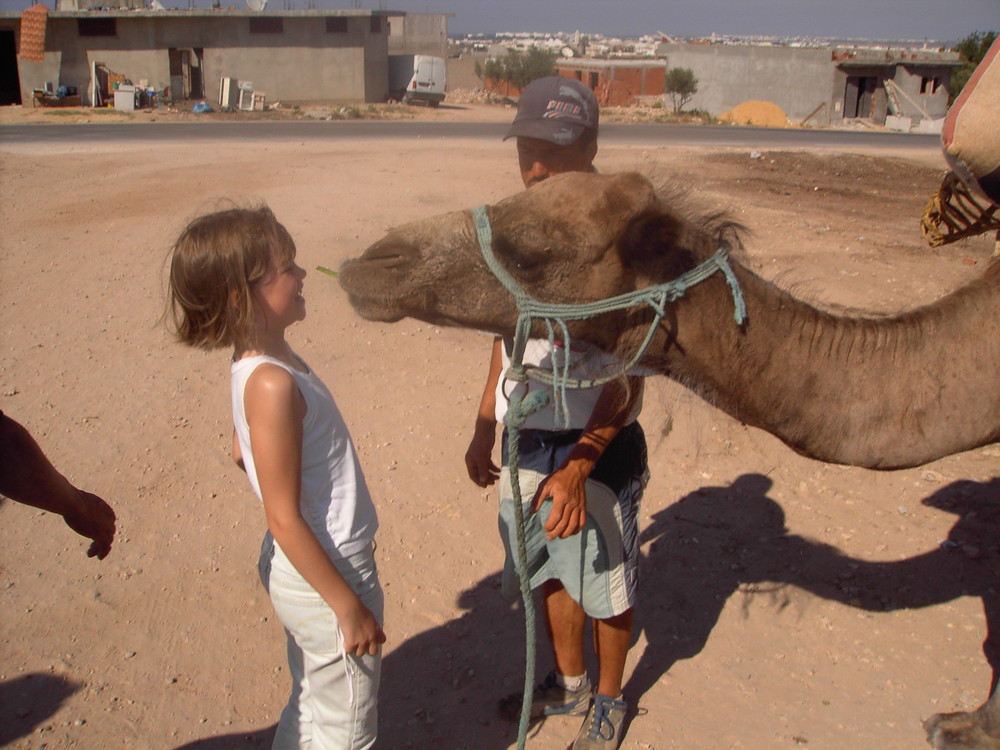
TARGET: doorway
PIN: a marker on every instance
(859, 96)
(10, 84)
(187, 79)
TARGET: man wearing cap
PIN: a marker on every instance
(580, 484)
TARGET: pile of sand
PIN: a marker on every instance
(755, 112)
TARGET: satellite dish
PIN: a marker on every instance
(568, 52)
(256, 4)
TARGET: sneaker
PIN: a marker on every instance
(601, 729)
(548, 698)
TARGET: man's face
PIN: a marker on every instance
(539, 160)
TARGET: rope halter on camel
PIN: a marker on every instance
(518, 410)
(555, 316)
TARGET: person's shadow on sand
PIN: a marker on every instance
(28, 700)
(720, 540)
(261, 738)
(440, 688)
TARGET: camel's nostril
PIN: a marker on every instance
(392, 256)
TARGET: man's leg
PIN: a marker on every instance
(601, 730)
(564, 621)
(611, 644)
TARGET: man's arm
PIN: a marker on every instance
(567, 485)
(479, 456)
(28, 477)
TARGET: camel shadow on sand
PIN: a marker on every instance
(723, 540)
(440, 688)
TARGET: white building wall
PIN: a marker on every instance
(796, 79)
(303, 63)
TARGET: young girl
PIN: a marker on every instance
(234, 282)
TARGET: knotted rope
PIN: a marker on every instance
(954, 213)
(519, 409)
(555, 315)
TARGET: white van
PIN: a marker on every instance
(417, 78)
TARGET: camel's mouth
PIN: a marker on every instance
(377, 293)
(376, 311)
(388, 307)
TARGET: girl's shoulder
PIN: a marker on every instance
(270, 374)
(271, 386)
(259, 371)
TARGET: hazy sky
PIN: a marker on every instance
(861, 19)
(870, 19)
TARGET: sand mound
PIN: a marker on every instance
(766, 114)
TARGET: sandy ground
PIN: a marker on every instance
(784, 602)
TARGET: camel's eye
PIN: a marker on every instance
(522, 265)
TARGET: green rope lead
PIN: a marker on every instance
(517, 412)
(519, 409)
(553, 314)
(513, 442)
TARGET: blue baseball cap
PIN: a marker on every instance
(555, 109)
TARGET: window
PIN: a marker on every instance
(929, 85)
(376, 27)
(267, 25)
(336, 25)
(96, 27)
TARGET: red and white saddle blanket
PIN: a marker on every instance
(971, 132)
(968, 201)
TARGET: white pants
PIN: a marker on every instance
(333, 702)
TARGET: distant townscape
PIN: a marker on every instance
(577, 43)
(805, 81)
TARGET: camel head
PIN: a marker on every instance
(573, 238)
(882, 392)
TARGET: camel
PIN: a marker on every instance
(878, 392)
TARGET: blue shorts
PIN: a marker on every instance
(599, 566)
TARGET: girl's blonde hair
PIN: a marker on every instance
(213, 265)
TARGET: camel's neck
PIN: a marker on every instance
(882, 393)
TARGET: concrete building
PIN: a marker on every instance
(617, 83)
(419, 34)
(822, 86)
(292, 56)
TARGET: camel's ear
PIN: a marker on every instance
(629, 194)
(652, 244)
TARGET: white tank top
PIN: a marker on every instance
(586, 362)
(335, 501)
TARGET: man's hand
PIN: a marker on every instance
(567, 489)
(479, 456)
(27, 476)
(94, 519)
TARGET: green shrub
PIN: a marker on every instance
(680, 86)
(518, 68)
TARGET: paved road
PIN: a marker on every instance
(611, 134)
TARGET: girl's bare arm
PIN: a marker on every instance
(275, 409)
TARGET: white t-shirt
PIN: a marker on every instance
(335, 501)
(586, 362)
